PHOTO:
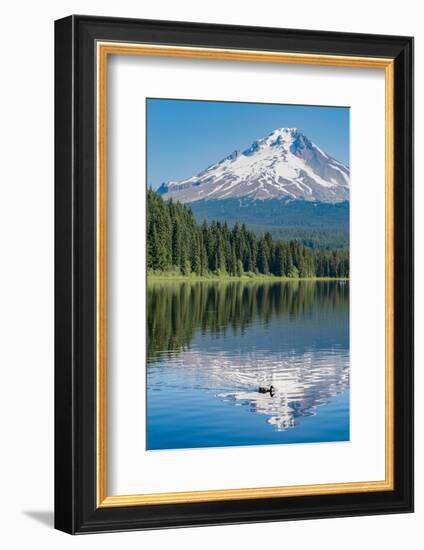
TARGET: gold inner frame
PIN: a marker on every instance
(104, 49)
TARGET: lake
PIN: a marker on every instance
(211, 345)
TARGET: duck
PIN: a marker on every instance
(267, 389)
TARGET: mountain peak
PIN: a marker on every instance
(284, 132)
(284, 164)
(279, 137)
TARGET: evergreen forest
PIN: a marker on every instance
(178, 244)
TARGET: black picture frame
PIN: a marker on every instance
(76, 508)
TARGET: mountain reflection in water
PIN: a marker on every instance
(225, 340)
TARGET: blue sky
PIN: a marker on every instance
(185, 137)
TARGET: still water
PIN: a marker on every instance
(211, 345)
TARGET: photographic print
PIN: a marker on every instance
(206, 229)
(247, 274)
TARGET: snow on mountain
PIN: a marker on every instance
(286, 164)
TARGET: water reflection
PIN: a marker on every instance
(300, 386)
(176, 310)
(227, 340)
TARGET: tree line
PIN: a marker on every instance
(176, 242)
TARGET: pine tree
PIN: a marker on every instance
(279, 267)
(262, 264)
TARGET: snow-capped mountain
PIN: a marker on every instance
(286, 164)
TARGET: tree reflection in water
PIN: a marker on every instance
(176, 310)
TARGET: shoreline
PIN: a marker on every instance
(231, 278)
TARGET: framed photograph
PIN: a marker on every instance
(234, 270)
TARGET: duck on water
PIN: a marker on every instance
(267, 389)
